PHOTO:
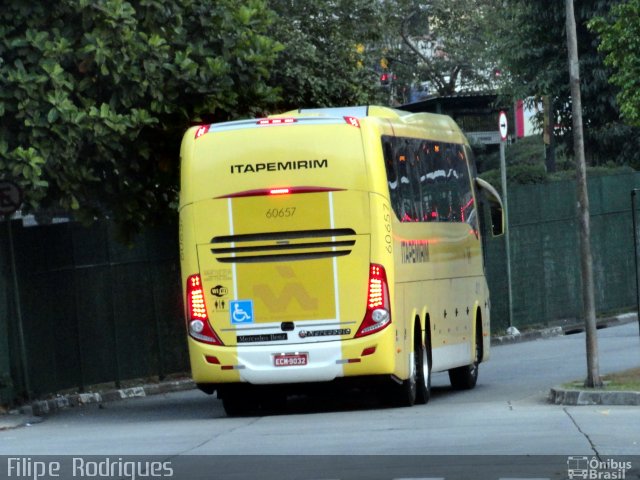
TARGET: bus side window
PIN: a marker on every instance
(451, 165)
(414, 177)
(427, 180)
(401, 156)
(440, 174)
(392, 176)
(467, 208)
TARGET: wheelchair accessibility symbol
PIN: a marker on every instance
(241, 311)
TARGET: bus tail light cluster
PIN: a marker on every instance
(276, 121)
(378, 314)
(197, 318)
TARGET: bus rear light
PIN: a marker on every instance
(353, 121)
(202, 130)
(198, 320)
(279, 191)
(378, 314)
(232, 367)
(212, 360)
(276, 121)
(368, 351)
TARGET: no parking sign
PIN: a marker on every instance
(503, 126)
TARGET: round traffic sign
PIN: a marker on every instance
(10, 197)
(502, 126)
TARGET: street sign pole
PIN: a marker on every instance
(503, 128)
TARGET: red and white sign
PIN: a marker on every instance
(502, 126)
(519, 119)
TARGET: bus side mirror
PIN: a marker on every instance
(491, 195)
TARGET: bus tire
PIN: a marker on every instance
(423, 373)
(466, 377)
(406, 392)
(414, 389)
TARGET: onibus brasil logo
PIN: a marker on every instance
(593, 468)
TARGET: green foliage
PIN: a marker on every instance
(324, 61)
(528, 150)
(526, 165)
(95, 95)
(620, 41)
(442, 42)
(599, 171)
(534, 60)
(519, 174)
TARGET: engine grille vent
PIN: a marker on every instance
(283, 246)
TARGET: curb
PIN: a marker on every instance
(44, 407)
(567, 329)
(572, 397)
(527, 336)
(561, 396)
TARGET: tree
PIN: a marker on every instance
(444, 43)
(327, 58)
(95, 95)
(586, 260)
(619, 36)
(532, 58)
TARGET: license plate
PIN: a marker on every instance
(291, 360)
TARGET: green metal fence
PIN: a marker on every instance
(96, 311)
(6, 377)
(545, 252)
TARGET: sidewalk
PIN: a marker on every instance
(30, 414)
(33, 413)
(567, 329)
(15, 419)
(563, 396)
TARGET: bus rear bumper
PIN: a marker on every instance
(316, 362)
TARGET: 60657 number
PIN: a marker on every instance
(280, 212)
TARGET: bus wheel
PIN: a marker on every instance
(406, 392)
(423, 374)
(465, 378)
(413, 389)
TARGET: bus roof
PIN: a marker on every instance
(396, 117)
(442, 126)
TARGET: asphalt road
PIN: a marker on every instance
(505, 423)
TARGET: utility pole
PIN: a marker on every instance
(586, 260)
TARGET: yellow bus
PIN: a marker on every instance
(330, 244)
